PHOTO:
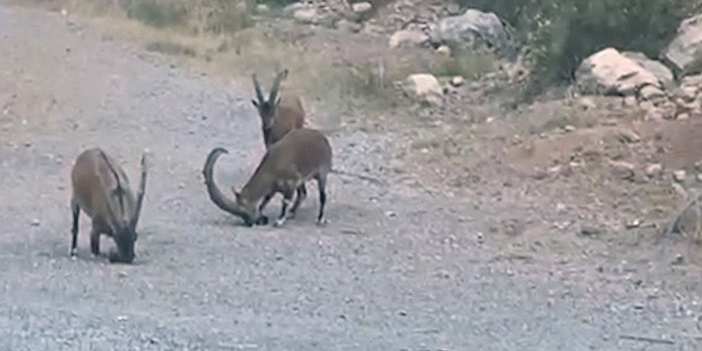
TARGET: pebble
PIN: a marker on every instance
(633, 224)
(35, 222)
(679, 176)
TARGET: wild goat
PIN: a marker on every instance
(101, 190)
(303, 154)
(279, 115)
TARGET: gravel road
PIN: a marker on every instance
(395, 269)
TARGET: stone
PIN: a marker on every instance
(292, 8)
(307, 16)
(590, 230)
(444, 50)
(628, 136)
(629, 101)
(688, 93)
(475, 30)
(683, 116)
(587, 103)
(680, 176)
(608, 72)
(424, 88)
(348, 26)
(622, 170)
(654, 170)
(373, 29)
(663, 73)
(682, 52)
(651, 93)
(407, 38)
(361, 7)
(262, 8)
(457, 81)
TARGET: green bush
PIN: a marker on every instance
(157, 13)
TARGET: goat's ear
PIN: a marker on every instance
(255, 103)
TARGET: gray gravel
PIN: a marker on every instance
(395, 269)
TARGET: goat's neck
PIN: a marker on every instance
(258, 186)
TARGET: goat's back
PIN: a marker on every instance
(306, 151)
(93, 179)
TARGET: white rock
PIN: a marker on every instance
(407, 37)
(444, 50)
(654, 170)
(307, 16)
(623, 170)
(680, 175)
(682, 52)
(424, 87)
(475, 29)
(362, 7)
(457, 81)
(608, 72)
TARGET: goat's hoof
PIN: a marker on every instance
(279, 223)
(322, 222)
(262, 220)
(72, 253)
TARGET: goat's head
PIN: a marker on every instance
(267, 108)
(125, 233)
(124, 237)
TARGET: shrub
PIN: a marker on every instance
(559, 34)
(157, 13)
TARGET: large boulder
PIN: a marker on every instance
(475, 30)
(685, 51)
(663, 73)
(610, 72)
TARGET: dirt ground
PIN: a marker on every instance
(401, 266)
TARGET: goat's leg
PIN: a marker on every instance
(285, 208)
(322, 185)
(301, 196)
(95, 240)
(75, 210)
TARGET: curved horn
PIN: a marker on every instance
(276, 86)
(216, 195)
(257, 86)
(140, 194)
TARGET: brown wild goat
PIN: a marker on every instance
(279, 115)
(101, 190)
(303, 154)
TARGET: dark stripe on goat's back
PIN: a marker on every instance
(119, 190)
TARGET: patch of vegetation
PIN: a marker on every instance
(559, 34)
(170, 48)
(465, 63)
(157, 13)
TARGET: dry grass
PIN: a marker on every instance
(221, 38)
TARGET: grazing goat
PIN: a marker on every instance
(303, 154)
(101, 190)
